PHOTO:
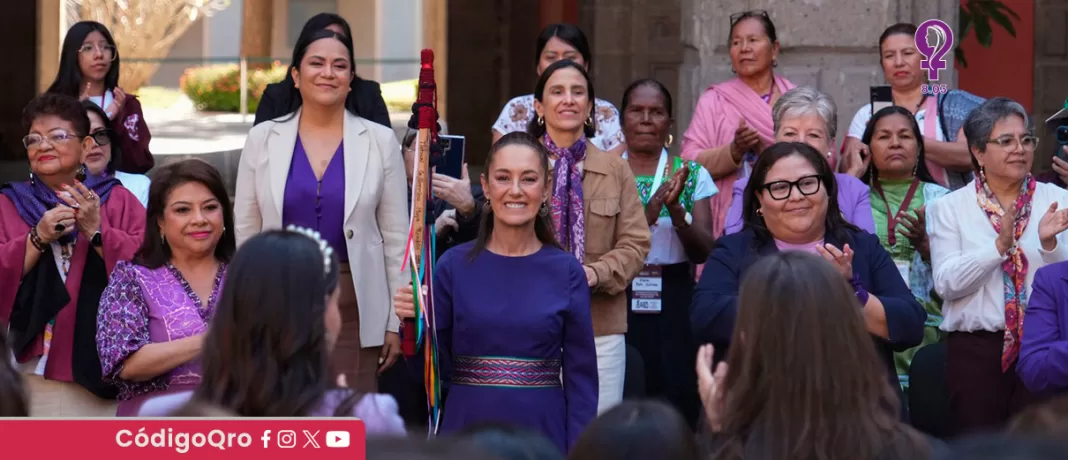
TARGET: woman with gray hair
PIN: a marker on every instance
(804, 114)
(987, 240)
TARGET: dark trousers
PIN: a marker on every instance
(665, 344)
(981, 396)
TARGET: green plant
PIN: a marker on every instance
(217, 88)
(977, 14)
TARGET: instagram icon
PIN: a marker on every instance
(287, 439)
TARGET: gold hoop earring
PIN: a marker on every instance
(669, 141)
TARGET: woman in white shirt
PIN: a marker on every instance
(987, 240)
(948, 159)
(558, 42)
(105, 158)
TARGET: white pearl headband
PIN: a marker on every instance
(324, 247)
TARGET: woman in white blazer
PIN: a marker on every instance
(323, 168)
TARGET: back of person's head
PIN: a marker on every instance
(1049, 418)
(636, 430)
(1006, 448)
(804, 379)
(509, 443)
(202, 409)
(421, 449)
(13, 397)
(266, 352)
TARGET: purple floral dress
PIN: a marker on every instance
(142, 306)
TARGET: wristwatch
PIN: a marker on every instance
(97, 241)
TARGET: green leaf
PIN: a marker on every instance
(983, 33)
(998, 7)
(965, 23)
(958, 54)
(1003, 21)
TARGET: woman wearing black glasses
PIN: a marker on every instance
(791, 204)
(104, 158)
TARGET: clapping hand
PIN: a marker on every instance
(1052, 224)
(1007, 235)
(87, 204)
(915, 229)
(710, 385)
(746, 139)
(51, 220)
(842, 259)
(115, 108)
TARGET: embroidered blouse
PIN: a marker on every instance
(142, 306)
(666, 247)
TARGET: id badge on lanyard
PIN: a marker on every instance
(647, 289)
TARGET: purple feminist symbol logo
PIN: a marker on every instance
(934, 39)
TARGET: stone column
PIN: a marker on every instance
(829, 44)
(1051, 72)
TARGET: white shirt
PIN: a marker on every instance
(138, 184)
(860, 122)
(965, 263)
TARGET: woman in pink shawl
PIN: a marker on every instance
(732, 121)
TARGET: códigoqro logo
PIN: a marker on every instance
(934, 40)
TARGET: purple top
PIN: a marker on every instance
(317, 204)
(1043, 364)
(142, 306)
(853, 200)
(534, 308)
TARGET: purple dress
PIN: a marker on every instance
(142, 306)
(507, 327)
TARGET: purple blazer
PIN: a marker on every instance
(853, 200)
(1043, 363)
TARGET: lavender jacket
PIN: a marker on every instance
(853, 200)
(1043, 363)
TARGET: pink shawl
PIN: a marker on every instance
(714, 121)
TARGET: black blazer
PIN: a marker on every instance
(365, 101)
(715, 299)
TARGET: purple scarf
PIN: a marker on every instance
(567, 202)
(32, 199)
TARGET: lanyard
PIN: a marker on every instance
(658, 177)
(891, 219)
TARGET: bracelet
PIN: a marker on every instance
(858, 289)
(35, 240)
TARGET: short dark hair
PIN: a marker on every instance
(652, 83)
(762, 17)
(570, 34)
(835, 224)
(153, 252)
(116, 151)
(637, 429)
(537, 129)
(58, 105)
(901, 28)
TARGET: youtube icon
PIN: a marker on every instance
(337, 439)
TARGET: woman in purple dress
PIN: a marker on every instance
(513, 310)
(156, 309)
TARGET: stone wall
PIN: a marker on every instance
(829, 44)
(1051, 70)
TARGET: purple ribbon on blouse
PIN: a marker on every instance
(32, 199)
(567, 202)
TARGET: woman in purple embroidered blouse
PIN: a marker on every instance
(155, 311)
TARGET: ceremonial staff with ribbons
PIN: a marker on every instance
(419, 334)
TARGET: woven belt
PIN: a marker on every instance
(506, 372)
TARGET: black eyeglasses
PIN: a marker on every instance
(781, 190)
(748, 14)
(101, 137)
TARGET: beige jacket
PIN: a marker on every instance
(376, 208)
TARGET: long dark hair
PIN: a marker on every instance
(568, 33)
(300, 49)
(266, 353)
(543, 226)
(69, 77)
(637, 429)
(509, 442)
(921, 160)
(538, 130)
(13, 397)
(835, 224)
(116, 152)
(154, 252)
(798, 317)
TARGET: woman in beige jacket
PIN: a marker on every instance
(323, 168)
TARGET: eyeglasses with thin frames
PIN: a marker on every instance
(781, 190)
(747, 14)
(1008, 142)
(107, 51)
(34, 141)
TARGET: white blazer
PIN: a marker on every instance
(376, 208)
